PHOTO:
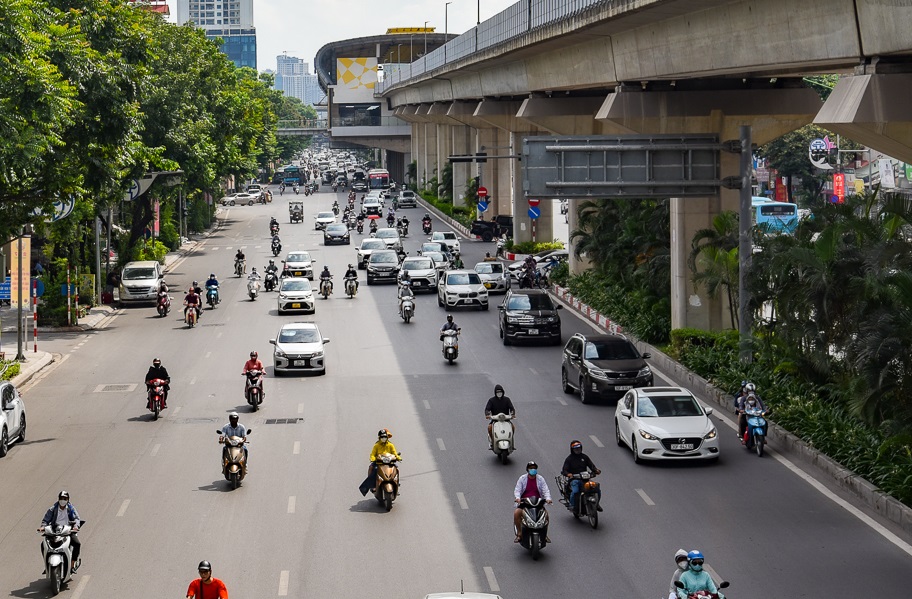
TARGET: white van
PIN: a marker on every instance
(139, 281)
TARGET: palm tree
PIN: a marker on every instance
(714, 260)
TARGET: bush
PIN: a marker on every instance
(533, 247)
(560, 274)
(9, 369)
(156, 251)
(646, 316)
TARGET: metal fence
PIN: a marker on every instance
(303, 124)
(516, 20)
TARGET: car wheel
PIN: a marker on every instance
(370, 281)
(487, 236)
(280, 311)
(277, 372)
(617, 434)
(584, 394)
(485, 307)
(556, 340)
(250, 203)
(22, 429)
(636, 451)
(4, 443)
(231, 203)
(506, 338)
(565, 384)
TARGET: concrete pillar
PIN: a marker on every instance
(430, 154)
(462, 171)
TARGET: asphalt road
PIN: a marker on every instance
(155, 502)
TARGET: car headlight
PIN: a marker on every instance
(648, 436)
(318, 354)
(512, 320)
(283, 296)
(279, 353)
(644, 371)
(710, 435)
(597, 374)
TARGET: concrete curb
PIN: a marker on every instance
(32, 367)
(783, 441)
(454, 224)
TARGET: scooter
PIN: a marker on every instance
(273, 229)
(276, 248)
(335, 209)
(450, 344)
(164, 303)
(212, 296)
(269, 281)
(190, 316)
(407, 310)
(387, 483)
(325, 287)
(234, 458)
(351, 287)
(755, 432)
(502, 431)
(360, 227)
(426, 227)
(239, 267)
(534, 530)
(253, 390)
(156, 397)
(587, 500)
(253, 289)
(703, 594)
(57, 552)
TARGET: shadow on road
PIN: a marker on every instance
(39, 589)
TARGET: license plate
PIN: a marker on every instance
(296, 305)
(417, 283)
(298, 273)
(623, 388)
(682, 446)
(300, 362)
(533, 331)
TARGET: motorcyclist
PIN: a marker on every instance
(457, 261)
(157, 371)
(499, 404)
(528, 485)
(215, 588)
(211, 282)
(751, 402)
(276, 242)
(163, 287)
(234, 428)
(449, 325)
(351, 273)
(405, 223)
(382, 446)
(273, 224)
(271, 268)
(696, 579)
(405, 292)
(681, 566)
(577, 463)
(426, 219)
(192, 301)
(390, 219)
(747, 389)
(254, 363)
(254, 276)
(63, 513)
(326, 276)
(373, 225)
(489, 258)
(240, 257)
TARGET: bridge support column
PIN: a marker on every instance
(462, 171)
(770, 112)
(444, 149)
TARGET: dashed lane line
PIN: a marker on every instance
(283, 583)
(562, 402)
(492, 580)
(427, 404)
(80, 586)
(155, 449)
(644, 496)
(292, 500)
(123, 508)
(533, 371)
(441, 445)
(296, 449)
(460, 497)
(300, 408)
(596, 441)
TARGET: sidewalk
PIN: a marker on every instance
(34, 363)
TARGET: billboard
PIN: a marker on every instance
(356, 73)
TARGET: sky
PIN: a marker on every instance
(301, 28)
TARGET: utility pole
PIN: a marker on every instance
(745, 323)
(20, 332)
(98, 259)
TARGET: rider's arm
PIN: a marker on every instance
(565, 469)
(374, 453)
(543, 487)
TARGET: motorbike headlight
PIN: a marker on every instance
(648, 436)
(710, 435)
(644, 371)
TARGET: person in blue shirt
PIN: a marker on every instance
(63, 513)
(213, 282)
(696, 578)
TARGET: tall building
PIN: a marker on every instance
(293, 78)
(230, 20)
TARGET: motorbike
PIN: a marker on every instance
(390, 221)
(407, 309)
(325, 287)
(360, 227)
(502, 431)
(387, 483)
(276, 248)
(755, 433)
(703, 594)
(57, 552)
(426, 227)
(373, 226)
(336, 209)
(253, 289)
(450, 344)
(351, 286)
(526, 279)
(253, 388)
(234, 458)
(402, 230)
(239, 266)
(500, 248)
(164, 303)
(156, 396)
(307, 191)
(273, 229)
(269, 281)
(533, 533)
(190, 316)
(587, 500)
(295, 188)
(212, 296)
(335, 188)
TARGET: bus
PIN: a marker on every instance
(378, 178)
(775, 217)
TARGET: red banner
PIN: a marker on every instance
(839, 186)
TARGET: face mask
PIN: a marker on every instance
(682, 564)
(533, 472)
(499, 394)
(62, 503)
(383, 439)
(696, 567)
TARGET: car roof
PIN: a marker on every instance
(299, 325)
(464, 271)
(141, 264)
(455, 595)
(602, 337)
(662, 391)
(528, 292)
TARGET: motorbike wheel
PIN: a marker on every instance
(593, 517)
(56, 579)
(758, 445)
(387, 501)
(255, 404)
(235, 480)
(535, 545)
(156, 409)
(450, 360)
(407, 317)
(504, 458)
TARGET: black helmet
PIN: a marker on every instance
(449, 318)
(195, 283)
(63, 495)
(204, 566)
(156, 362)
(384, 432)
(253, 354)
(211, 275)
(271, 262)
(576, 444)
(531, 465)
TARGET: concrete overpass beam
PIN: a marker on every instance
(567, 115)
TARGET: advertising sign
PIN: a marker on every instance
(887, 178)
(156, 207)
(839, 186)
(20, 278)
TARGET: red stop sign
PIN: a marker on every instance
(533, 202)
(482, 192)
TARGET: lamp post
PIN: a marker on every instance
(425, 37)
(399, 53)
(479, 13)
(446, 13)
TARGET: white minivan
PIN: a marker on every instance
(139, 281)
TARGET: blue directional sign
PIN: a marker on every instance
(534, 212)
(5, 289)
(482, 206)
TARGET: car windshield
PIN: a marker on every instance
(373, 244)
(299, 336)
(468, 278)
(488, 268)
(665, 407)
(436, 257)
(341, 228)
(384, 257)
(387, 234)
(449, 235)
(298, 256)
(611, 350)
(296, 285)
(325, 215)
(530, 302)
(417, 264)
(132, 274)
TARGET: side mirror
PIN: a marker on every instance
(679, 584)
(625, 413)
(218, 431)
(647, 356)
(709, 411)
(272, 341)
(560, 307)
(501, 307)
(249, 430)
(722, 585)
(326, 340)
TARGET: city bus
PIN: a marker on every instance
(378, 178)
(774, 217)
(291, 175)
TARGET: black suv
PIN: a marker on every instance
(383, 265)
(529, 314)
(603, 366)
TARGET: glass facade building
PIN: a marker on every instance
(238, 44)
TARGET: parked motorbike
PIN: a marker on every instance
(57, 552)
(234, 458)
(253, 388)
(269, 281)
(407, 309)
(351, 287)
(755, 433)
(703, 594)
(534, 530)
(587, 500)
(502, 430)
(164, 303)
(325, 287)
(387, 484)
(239, 266)
(212, 296)
(156, 397)
(450, 344)
(253, 289)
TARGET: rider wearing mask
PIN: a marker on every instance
(326, 276)
(157, 371)
(747, 390)
(272, 267)
(696, 579)
(192, 301)
(63, 513)
(751, 402)
(234, 428)
(449, 325)
(529, 485)
(382, 446)
(577, 463)
(499, 404)
(351, 273)
(682, 565)
(405, 291)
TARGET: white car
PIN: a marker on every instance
(665, 423)
(462, 288)
(447, 237)
(422, 272)
(390, 237)
(298, 264)
(441, 263)
(12, 417)
(321, 219)
(493, 276)
(248, 199)
(364, 250)
(299, 348)
(296, 294)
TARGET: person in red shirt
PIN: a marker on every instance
(254, 364)
(207, 587)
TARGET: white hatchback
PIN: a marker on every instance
(462, 288)
(12, 417)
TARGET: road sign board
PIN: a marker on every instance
(482, 206)
(5, 289)
(534, 212)
(482, 192)
(534, 202)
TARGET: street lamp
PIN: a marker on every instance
(446, 30)
(479, 13)
(425, 37)
(399, 53)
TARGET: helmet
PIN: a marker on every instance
(204, 566)
(195, 283)
(253, 354)
(233, 416)
(449, 318)
(384, 432)
(350, 266)
(694, 554)
(750, 387)
(272, 263)
(156, 362)
(531, 465)
(575, 444)
(253, 269)
(63, 495)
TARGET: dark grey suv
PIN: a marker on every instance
(529, 314)
(603, 366)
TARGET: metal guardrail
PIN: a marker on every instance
(315, 124)
(516, 20)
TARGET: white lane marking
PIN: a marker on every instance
(297, 448)
(215, 248)
(283, 583)
(427, 404)
(561, 402)
(644, 496)
(460, 497)
(193, 381)
(492, 582)
(123, 508)
(176, 410)
(291, 504)
(300, 408)
(219, 335)
(533, 371)
(80, 587)
(208, 353)
(243, 247)
(596, 441)
(441, 445)
(156, 448)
